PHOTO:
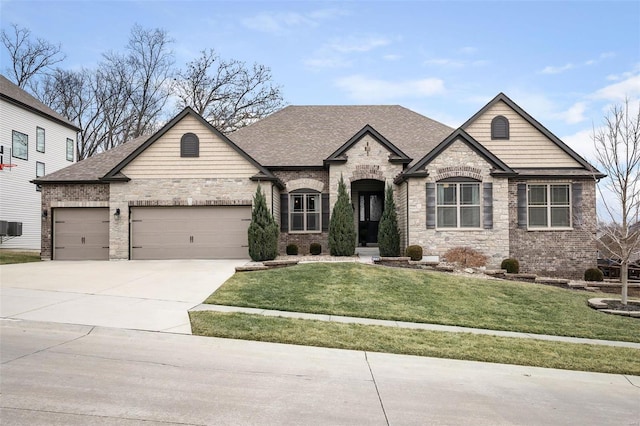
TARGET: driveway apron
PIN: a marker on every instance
(144, 295)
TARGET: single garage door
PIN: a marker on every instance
(81, 234)
(218, 232)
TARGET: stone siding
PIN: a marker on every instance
(459, 160)
(67, 195)
(562, 253)
(173, 192)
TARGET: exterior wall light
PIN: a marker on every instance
(117, 213)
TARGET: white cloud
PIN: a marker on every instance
(339, 52)
(575, 114)
(630, 87)
(557, 70)
(365, 89)
(582, 143)
(357, 44)
(468, 50)
(281, 22)
(391, 57)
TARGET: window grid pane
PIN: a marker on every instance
(20, 145)
(470, 217)
(70, 150)
(549, 206)
(447, 217)
(305, 212)
(39, 139)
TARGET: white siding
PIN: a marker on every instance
(217, 158)
(19, 200)
(526, 146)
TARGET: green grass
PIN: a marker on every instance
(358, 290)
(465, 346)
(12, 256)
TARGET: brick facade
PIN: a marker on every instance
(314, 179)
(68, 195)
(552, 253)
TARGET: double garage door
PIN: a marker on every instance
(155, 233)
(190, 232)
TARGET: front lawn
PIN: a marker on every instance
(358, 290)
(466, 346)
(12, 256)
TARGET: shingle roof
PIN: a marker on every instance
(307, 135)
(95, 167)
(12, 92)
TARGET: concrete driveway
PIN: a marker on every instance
(144, 295)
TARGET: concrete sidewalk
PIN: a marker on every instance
(80, 375)
(402, 324)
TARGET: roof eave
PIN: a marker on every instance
(40, 113)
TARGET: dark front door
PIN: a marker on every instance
(370, 211)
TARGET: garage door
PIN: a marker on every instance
(81, 234)
(190, 232)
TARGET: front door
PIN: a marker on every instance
(370, 211)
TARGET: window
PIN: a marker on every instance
(499, 128)
(548, 206)
(20, 146)
(458, 205)
(39, 173)
(189, 145)
(39, 139)
(304, 212)
(70, 149)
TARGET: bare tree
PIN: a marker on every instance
(150, 60)
(227, 93)
(29, 57)
(617, 146)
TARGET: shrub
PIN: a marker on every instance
(466, 257)
(414, 252)
(388, 234)
(292, 250)
(263, 230)
(512, 266)
(315, 249)
(593, 274)
(342, 229)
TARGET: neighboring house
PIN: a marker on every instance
(501, 183)
(34, 141)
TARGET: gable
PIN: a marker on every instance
(217, 158)
(370, 144)
(527, 145)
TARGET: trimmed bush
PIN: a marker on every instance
(465, 257)
(593, 274)
(388, 234)
(414, 252)
(292, 250)
(342, 229)
(512, 266)
(263, 230)
(315, 249)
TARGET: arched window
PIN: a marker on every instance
(499, 128)
(189, 145)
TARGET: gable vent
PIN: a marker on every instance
(189, 145)
(499, 128)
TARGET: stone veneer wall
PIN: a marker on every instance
(173, 192)
(460, 160)
(565, 254)
(319, 178)
(68, 195)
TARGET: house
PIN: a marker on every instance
(501, 183)
(35, 140)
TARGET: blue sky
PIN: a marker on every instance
(563, 62)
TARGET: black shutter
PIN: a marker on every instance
(284, 212)
(522, 205)
(487, 205)
(325, 212)
(576, 203)
(431, 206)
